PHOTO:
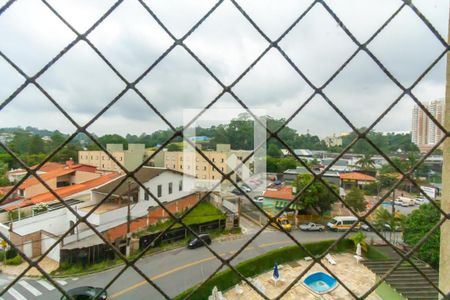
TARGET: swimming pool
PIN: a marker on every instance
(320, 283)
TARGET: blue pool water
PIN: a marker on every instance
(320, 282)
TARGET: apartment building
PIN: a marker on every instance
(130, 158)
(192, 163)
(424, 132)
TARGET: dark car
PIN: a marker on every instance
(236, 192)
(86, 293)
(197, 242)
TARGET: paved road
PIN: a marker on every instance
(174, 271)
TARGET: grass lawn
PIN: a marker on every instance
(260, 264)
(204, 212)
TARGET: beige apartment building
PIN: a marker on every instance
(130, 158)
(192, 163)
(424, 132)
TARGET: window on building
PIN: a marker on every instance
(174, 166)
(222, 160)
(181, 166)
(146, 196)
(213, 160)
(180, 185)
(222, 169)
(159, 190)
(213, 177)
(170, 188)
(204, 168)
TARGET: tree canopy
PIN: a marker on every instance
(317, 197)
(355, 199)
(416, 225)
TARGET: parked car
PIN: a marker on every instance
(365, 227)
(259, 198)
(281, 221)
(312, 227)
(387, 227)
(420, 201)
(398, 202)
(236, 192)
(246, 189)
(86, 293)
(197, 242)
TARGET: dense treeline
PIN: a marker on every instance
(32, 145)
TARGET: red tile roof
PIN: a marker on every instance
(65, 191)
(73, 189)
(284, 193)
(356, 176)
(49, 166)
(46, 176)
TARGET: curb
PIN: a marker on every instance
(227, 238)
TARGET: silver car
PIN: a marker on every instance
(312, 227)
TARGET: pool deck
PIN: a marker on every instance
(356, 276)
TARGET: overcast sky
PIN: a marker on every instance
(82, 83)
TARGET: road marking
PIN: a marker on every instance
(273, 244)
(45, 284)
(143, 282)
(30, 288)
(182, 267)
(16, 295)
(61, 282)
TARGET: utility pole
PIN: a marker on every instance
(128, 247)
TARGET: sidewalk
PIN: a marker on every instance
(47, 264)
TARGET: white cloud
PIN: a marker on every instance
(227, 44)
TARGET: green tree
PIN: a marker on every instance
(359, 238)
(272, 164)
(416, 225)
(36, 145)
(20, 142)
(113, 139)
(174, 147)
(3, 178)
(274, 151)
(286, 163)
(366, 162)
(355, 199)
(386, 180)
(317, 196)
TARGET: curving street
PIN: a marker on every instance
(174, 271)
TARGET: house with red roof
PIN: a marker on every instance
(359, 179)
(42, 218)
(277, 198)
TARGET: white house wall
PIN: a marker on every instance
(164, 179)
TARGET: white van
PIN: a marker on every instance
(343, 223)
